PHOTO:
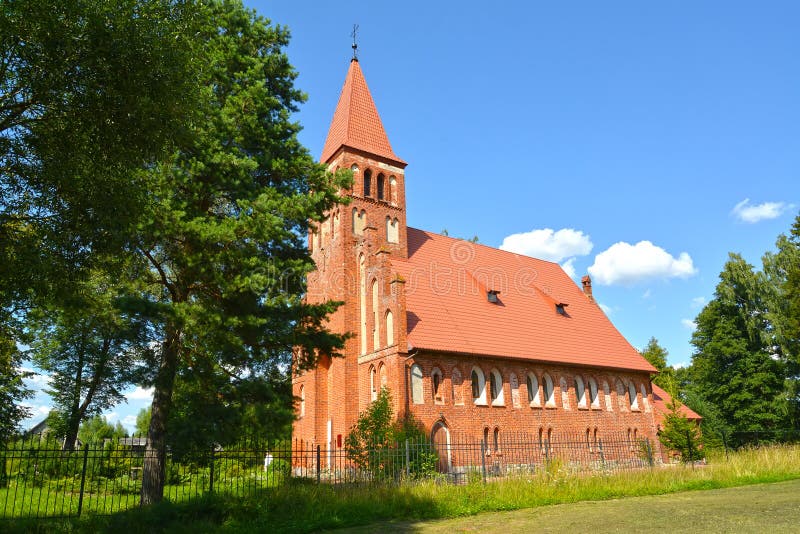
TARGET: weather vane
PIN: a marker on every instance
(355, 45)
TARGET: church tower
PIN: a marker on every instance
(353, 250)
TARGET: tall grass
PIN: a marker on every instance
(300, 507)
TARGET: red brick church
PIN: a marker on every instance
(469, 339)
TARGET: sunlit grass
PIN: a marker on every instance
(303, 506)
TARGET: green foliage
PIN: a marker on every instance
(89, 92)
(376, 443)
(681, 435)
(733, 367)
(222, 243)
(91, 351)
(657, 356)
(12, 389)
(212, 408)
(97, 429)
(142, 422)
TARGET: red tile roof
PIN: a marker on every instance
(662, 399)
(447, 307)
(356, 123)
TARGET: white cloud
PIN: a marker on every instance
(680, 365)
(748, 213)
(646, 294)
(569, 267)
(140, 394)
(548, 244)
(688, 323)
(129, 421)
(626, 264)
(606, 309)
(698, 302)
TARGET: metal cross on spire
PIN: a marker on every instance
(355, 45)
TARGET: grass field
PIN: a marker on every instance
(303, 507)
(758, 508)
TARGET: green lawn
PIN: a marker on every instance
(758, 508)
(304, 506)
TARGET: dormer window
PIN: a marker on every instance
(491, 296)
(561, 308)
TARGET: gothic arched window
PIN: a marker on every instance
(367, 183)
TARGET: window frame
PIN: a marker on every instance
(496, 386)
(549, 390)
(480, 387)
(535, 399)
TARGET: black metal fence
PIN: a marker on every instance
(459, 459)
(40, 479)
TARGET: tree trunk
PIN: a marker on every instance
(153, 471)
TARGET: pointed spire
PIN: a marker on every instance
(356, 123)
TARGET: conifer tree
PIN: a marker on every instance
(224, 240)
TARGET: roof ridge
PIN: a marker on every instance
(496, 249)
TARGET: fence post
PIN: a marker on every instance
(211, 473)
(408, 461)
(319, 459)
(483, 460)
(602, 454)
(83, 478)
(649, 453)
(547, 453)
(725, 444)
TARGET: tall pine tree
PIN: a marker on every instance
(224, 242)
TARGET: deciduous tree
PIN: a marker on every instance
(657, 356)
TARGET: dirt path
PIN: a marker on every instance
(759, 508)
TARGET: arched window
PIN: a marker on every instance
(359, 221)
(589, 439)
(645, 400)
(393, 189)
(417, 396)
(580, 392)
(457, 382)
(496, 439)
(381, 180)
(594, 398)
(367, 183)
(302, 401)
(533, 390)
(373, 383)
(362, 289)
(549, 391)
(436, 386)
(496, 388)
(486, 438)
(621, 395)
(632, 396)
(382, 375)
(389, 328)
(478, 386)
(607, 396)
(354, 168)
(376, 330)
(564, 388)
(392, 230)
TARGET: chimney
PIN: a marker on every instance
(587, 287)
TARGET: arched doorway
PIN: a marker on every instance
(440, 437)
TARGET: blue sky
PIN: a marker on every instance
(637, 141)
